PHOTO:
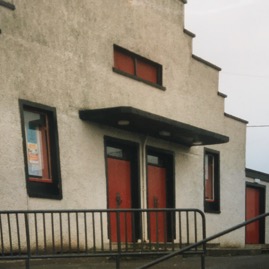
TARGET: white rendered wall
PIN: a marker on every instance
(61, 55)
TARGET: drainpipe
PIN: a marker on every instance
(144, 186)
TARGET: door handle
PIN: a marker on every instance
(155, 202)
(118, 200)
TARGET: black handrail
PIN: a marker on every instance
(7, 5)
(204, 241)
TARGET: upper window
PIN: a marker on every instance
(41, 150)
(211, 182)
(137, 67)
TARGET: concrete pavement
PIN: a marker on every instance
(227, 262)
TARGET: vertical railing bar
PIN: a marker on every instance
(141, 234)
(36, 235)
(118, 237)
(180, 229)
(165, 229)
(10, 234)
(157, 228)
(195, 229)
(133, 229)
(109, 230)
(202, 215)
(77, 227)
(61, 231)
(45, 233)
(188, 228)
(142, 214)
(102, 231)
(28, 242)
(126, 230)
(18, 233)
(93, 231)
(2, 239)
(173, 229)
(149, 213)
(69, 231)
(52, 232)
(86, 232)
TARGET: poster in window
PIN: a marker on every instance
(33, 145)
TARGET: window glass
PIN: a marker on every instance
(114, 152)
(153, 159)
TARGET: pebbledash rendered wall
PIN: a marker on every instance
(60, 54)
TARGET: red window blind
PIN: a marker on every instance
(209, 179)
(147, 71)
(212, 182)
(124, 62)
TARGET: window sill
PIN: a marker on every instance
(212, 211)
(138, 79)
(46, 196)
(33, 179)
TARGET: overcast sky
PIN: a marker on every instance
(234, 35)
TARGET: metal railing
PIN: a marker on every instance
(202, 242)
(28, 235)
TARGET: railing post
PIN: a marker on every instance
(118, 257)
(118, 262)
(28, 247)
(203, 261)
(204, 237)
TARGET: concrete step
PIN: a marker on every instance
(265, 249)
(246, 251)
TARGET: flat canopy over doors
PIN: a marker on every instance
(139, 121)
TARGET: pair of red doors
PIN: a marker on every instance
(121, 196)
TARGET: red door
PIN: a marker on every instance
(119, 196)
(252, 210)
(157, 199)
